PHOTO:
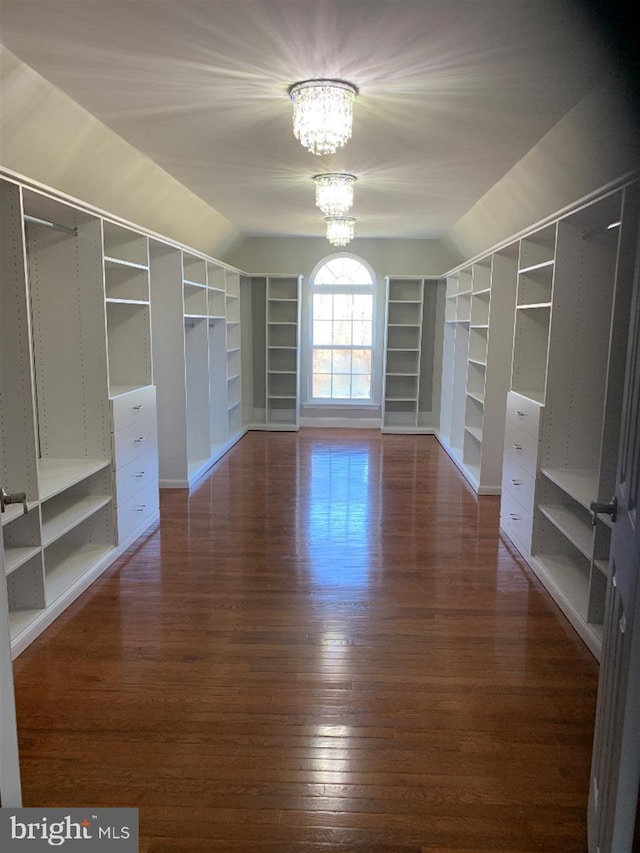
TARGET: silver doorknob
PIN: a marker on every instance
(7, 498)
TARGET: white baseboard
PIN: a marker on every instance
(341, 423)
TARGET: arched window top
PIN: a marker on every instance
(341, 270)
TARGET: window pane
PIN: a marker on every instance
(361, 361)
(343, 271)
(342, 333)
(322, 361)
(342, 361)
(362, 333)
(322, 330)
(322, 304)
(321, 385)
(361, 387)
(342, 306)
(341, 386)
(362, 307)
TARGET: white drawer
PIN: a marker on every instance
(519, 483)
(135, 512)
(136, 476)
(132, 407)
(516, 521)
(134, 440)
(521, 447)
(524, 413)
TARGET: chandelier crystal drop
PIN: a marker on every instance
(334, 192)
(340, 229)
(322, 114)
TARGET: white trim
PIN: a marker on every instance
(307, 332)
(342, 423)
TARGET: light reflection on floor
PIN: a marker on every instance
(338, 516)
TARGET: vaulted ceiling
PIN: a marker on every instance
(453, 93)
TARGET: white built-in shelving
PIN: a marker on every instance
(412, 357)
(75, 335)
(271, 308)
(480, 301)
(563, 417)
(196, 315)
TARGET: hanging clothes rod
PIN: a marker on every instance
(587, 234)
(57, 226)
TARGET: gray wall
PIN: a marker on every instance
(47, 137)
(299, 255)
(593, 144)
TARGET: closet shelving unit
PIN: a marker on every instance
(563, 414)
(593, 270)
(234, 372)
(478, 324)
(71, 382)
(132, 395)
(75, 341)
(272, 392)
(413, 347)
(18, 450)
(196, 319)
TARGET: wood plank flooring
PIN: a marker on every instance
(325, 647)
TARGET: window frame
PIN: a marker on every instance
(369, 289)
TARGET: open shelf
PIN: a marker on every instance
(56, 475)
(18, 556)
(62, 514)
(580, 484)
(571, 526)
(67, 564)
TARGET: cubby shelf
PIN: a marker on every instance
(57, 475)
(579, 483)
(14, 557)
(68, 514)
(576, 531)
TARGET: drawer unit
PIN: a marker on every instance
(520, 483)
(135, 440)
(516, 521)
(521, 447)
(137, 511)
(136, 476)
(524, 413)
(135, 406)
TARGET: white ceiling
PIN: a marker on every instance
(452, 94)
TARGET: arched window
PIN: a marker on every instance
(342, 291)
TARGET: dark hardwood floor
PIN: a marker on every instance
(325, 647)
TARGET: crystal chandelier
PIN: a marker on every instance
(334, 192)
(322, 114)
(340, 229)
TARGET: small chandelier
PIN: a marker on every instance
(340, 229)
(322, 114)
(334, 192)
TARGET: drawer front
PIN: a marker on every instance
(133, 514)
(135, 406)
(516, 521)
(524, 413)
(136, 476)
(134, 441)
(519, 483)
(521, 447)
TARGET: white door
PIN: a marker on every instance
(615, 771)
(10, 791)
